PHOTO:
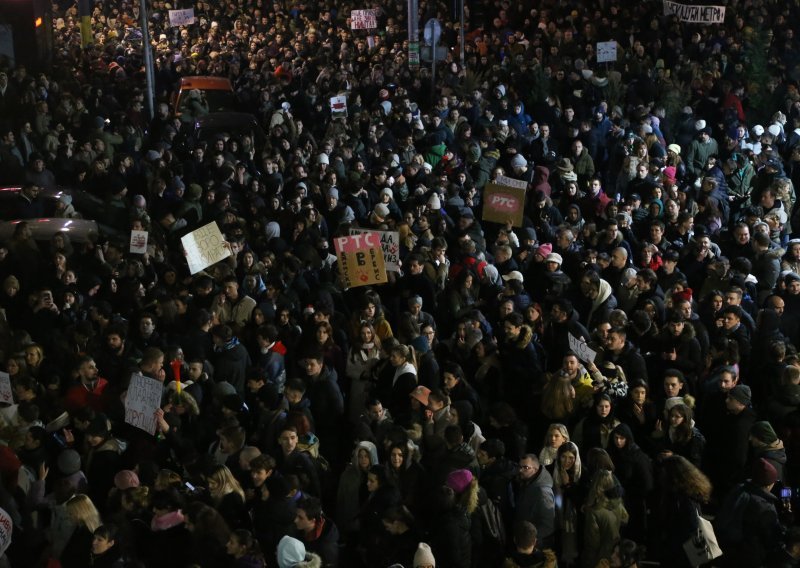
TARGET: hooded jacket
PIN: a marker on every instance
(351, 484)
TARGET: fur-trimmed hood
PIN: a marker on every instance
(312, 561)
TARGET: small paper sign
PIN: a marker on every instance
(181, 17)
(204, 246)
(339, 106)
(606, 51)
(138, 242)
(583, 351)
(6, 530)
(141, 402)
(6, 394)
(360, 260)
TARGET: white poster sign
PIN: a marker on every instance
(6, 529)
(583, 351)
(606, 51)
(204, 246)
(181, 17)
(390, 246)
(363, 19)
(339, 106)
(695, 14)
(511, 182)
(6, 394)
(141, 402)
(138, 242)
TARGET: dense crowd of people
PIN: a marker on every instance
(574, 390)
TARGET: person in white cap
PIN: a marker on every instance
(423, 558)
(700, 149)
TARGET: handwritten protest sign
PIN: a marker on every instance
(606, 51)
(502, 203)
(360, 260)
(339, 106)
(510, 182)
(6, 394)
(181, 17)
(390, 245)
(583, 351)
(142, 401)
(204, 247)
(138, 242)
(363, 19)
(6, 529)
(695, 14)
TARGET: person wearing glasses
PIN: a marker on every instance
(533, 498)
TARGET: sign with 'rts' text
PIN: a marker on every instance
(141, 402)
(360, 259)
(502, 204)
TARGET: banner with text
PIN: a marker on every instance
(502, 203)
(390, 245)
(181, 17)
(6, 528)
(363, 19)
(695, 14)
(339, 106)
(6, 393)
(141, 402)
(204, 246)
(606, 51)
(138, 242)
(360, 260)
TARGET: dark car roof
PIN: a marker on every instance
(226, 120)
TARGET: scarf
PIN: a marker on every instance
(165, 522)
(402, 369)
(227, 346)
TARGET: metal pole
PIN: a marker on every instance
(433, 68)
(148, 58)
(461, 6)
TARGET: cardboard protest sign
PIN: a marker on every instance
(583, 351)
(510, 182)
(141, 402)
(695, 14)
(502, 203)
(181, 17)
(204, 246)
(363, 19)
(339, 106)
(6, 528)
(138, 242)
(360, 260)
(390, 245)
(6, 394)
(606, 51)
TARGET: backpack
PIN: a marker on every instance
(729, 522)
(493, 526)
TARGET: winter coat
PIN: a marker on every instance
(352, 487)
(678, 521)
(601, 530)
(323, 541)
(327, 404)
(688, 358)
(534, 501)
(634, 470)
(77, 552)
(450, 539)
(521, 366)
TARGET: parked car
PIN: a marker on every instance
(218, 93)
(42, 230)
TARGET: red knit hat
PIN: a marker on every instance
(764, 473)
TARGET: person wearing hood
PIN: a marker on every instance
(634, 470)
(597, 291)
(352, 492)
(519, 358)
(765, 444)
(680, 349)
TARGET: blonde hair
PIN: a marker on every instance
(81, 509)
(556, 426)
(225, 483)
(602, 494)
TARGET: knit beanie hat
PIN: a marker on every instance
(290, 552)
(763, 432)
(741, 393)
(459, 480)
(69, 462)
(423, 556)
(764, 473)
